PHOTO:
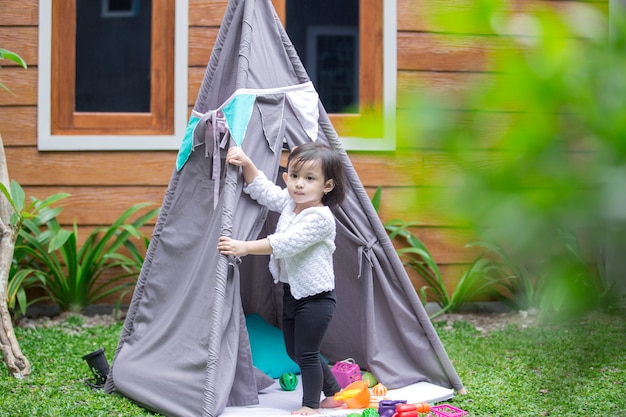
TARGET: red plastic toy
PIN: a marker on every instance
(399, 408)
(411, 410)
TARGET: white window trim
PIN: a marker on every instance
(390, 75)
(48, 142)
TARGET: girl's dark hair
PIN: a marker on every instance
(332, 168)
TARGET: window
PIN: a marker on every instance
(107, 74)
(113, 75)
(349, 51)
(120, 8)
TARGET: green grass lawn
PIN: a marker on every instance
(578, 369)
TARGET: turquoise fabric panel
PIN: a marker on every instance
(237, 113)
(186, 145)
(268, 348)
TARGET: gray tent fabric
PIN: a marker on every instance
(184, 349)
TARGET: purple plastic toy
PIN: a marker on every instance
(386, 408)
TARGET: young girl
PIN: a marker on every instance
(301, 258)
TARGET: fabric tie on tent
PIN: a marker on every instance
(364, 250)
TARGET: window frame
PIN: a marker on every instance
(160, 129)
(387, 53)
(377, 77)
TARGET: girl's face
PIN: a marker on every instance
(306, 184)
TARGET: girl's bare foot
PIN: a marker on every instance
(330, 402)
(305, 411)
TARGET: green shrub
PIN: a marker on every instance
(21, 276)
(518, 288)
(537, 147)
(74, 274)
(481, 280)
(476, 282)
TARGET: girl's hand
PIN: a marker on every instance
(236, 156)
(232, 247)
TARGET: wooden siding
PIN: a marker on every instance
(103, 184)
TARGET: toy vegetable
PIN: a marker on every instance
(369, 378)
(411, 410)
(379, 390)
(288, 381)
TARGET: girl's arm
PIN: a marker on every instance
(232, 247)
(236, 156)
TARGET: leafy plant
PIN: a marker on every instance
(74, 275)
(519, 290)
(477, 281)
(20, 280)
(580, 283)
(480, 279)
(573, 284)
(535, 146)
(376, 198)
(11, 56)
(21, 276)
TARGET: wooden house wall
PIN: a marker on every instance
(103, 184)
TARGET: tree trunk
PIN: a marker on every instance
(13, 357)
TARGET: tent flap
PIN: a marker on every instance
(184, 349)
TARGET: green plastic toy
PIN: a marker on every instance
(288, 381)
(369, 378)
(370, 412)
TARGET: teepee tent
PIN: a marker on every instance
(185, 348)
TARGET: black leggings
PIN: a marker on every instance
(305, 322)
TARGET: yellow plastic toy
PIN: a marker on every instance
(355, 395)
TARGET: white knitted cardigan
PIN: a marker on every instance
(305, 242)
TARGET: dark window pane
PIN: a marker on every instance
(326, 36)
(119, 5)
(112, 59)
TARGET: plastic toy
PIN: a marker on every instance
(375, 401)
(379, 390)
(355, 395)
(370, 412)
(288, 381)
(346, 372)
(446, 410)
(411, 410)
(369, 378)
(387, 408)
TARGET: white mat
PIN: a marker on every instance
(276, 402)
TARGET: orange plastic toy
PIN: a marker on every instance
(379, 390)
(355, 395)
(411, 410)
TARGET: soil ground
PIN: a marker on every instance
(483, 322)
